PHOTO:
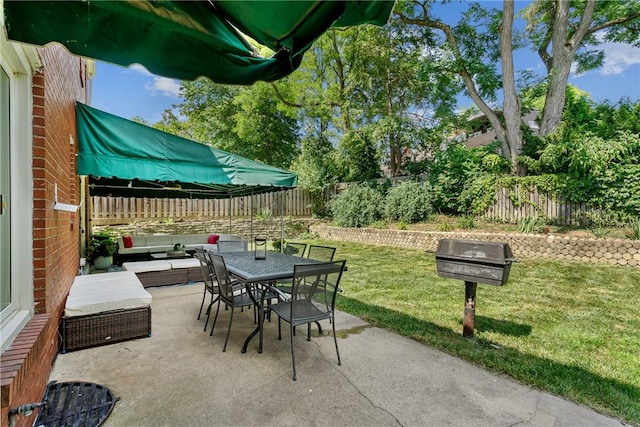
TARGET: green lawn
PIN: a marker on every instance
(572, 329)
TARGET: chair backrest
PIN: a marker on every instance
(222, 275)
(295, 249)
(232, 245)
(206, 274)
(321, 253)
(314, 289)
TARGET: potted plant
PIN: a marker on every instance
(100, 250)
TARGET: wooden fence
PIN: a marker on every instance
(515, 205)
(122, 210)
(510, 206)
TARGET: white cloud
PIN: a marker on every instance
(618, 58)
(164, 86)
(140, 69)
(159, 85)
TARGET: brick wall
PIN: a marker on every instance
(28, 363)
(56, 86)
(610, 251)
(56, 236)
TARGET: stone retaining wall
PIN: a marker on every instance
(609, 251)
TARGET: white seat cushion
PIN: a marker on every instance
(184, 263)
(144, 266)
(98, 293)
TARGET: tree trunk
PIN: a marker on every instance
(563, 53)
(556, 92)
(511, 104)
(395, 152)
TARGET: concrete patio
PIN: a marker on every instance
(181, 377)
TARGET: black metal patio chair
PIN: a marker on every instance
(313, 299)
(321, 253)
(229, 294)
(210, 283)
(295, 249)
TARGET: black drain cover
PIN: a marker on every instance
(75, 404)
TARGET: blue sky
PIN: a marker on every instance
(133, 91)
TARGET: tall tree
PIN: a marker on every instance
(243, 120)
(390, 87)
(265, 131)
(562, 32)
(367, 81)
(471, 49)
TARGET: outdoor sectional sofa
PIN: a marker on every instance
(141, 247)
(166, 272)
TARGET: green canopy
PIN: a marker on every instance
(188, 39)
(125, 158)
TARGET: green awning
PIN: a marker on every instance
(188, 39)
(125, 158)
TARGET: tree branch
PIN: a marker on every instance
(295, 104)
(612, 23)
(281, 98)
(585, 22)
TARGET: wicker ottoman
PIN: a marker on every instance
(157, 273)
(103, 309)
(191, 265)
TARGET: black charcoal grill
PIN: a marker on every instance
(474, 262)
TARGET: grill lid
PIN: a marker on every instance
(475, 251)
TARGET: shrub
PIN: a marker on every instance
(357, 206)
(445, 226)
(531, 224)
(379, 224)
(277, 245)
(467, 222)
(409, 202)
(264, 214)
(634, 232)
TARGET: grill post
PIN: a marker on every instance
(469, 316)
(473, 261)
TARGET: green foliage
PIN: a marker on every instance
(402, 225)
(360, 156)
(594, 156)
(315, 167)
(265, 131)
(595, 220)
(531, 224)
(634, 229)
(277, 245)
(478, 195)
(101, 244)
(409, 202)
(600, 232)
(357, 206)
(380, 224)
(264, 214)
(244, 120)
(445, 226)
(467, 222)
(463, 179)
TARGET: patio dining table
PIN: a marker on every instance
(262, 275)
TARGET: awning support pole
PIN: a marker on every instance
(281, 222)
(251, 216)
(230, 214)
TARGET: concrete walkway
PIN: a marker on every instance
(181, 377)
